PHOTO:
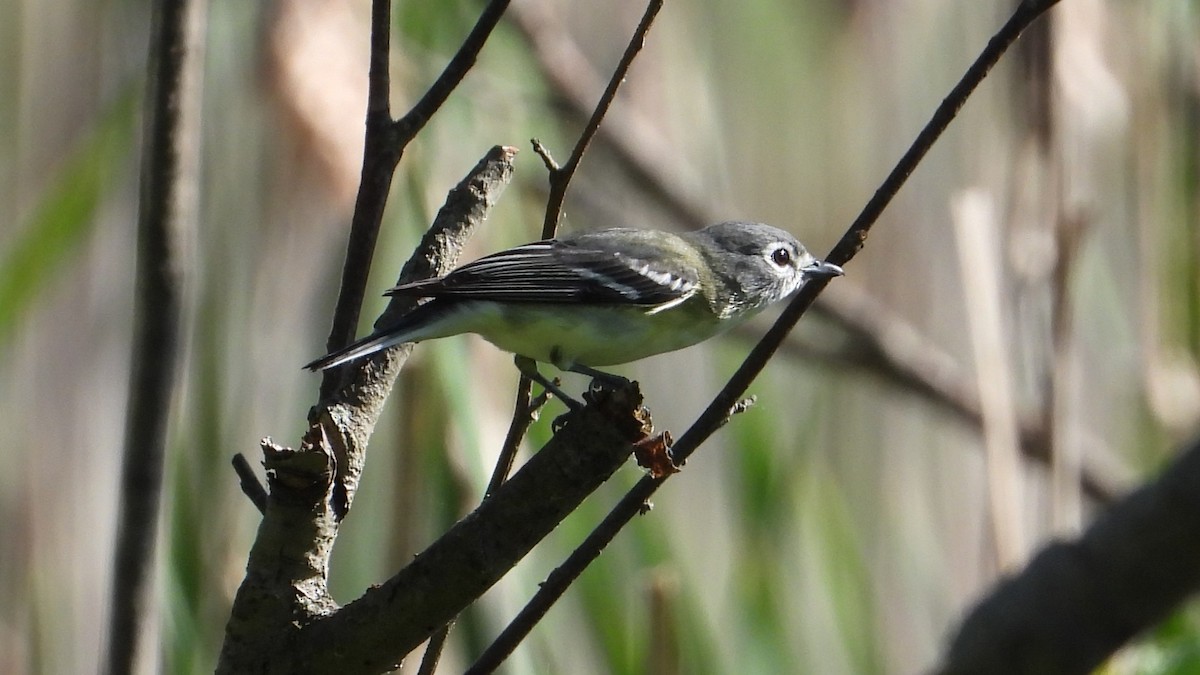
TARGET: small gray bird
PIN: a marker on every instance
(606, 297)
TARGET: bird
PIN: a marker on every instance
(602, 298)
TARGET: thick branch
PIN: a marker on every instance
(376, 631)
(313, 487)
(1078, 601)
(349, 414)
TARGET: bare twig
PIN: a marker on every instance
(856, 235)
(166, 211)
(560, 179)
(345, 417)
(408, 126)
(524, 415)
(249, 482)
(433, 650)
(711, 419)
(639, 147)
(381, 154)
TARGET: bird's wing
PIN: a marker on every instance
(554, 271)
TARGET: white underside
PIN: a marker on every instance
(565, 335)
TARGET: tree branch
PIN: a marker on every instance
(374, 632)
(381, 154)
(560, 178)
(1078, 601)
(408, 126)
(383, 147)
(249, 483)
(560, 181)
(166, 212)
(638, 146)
(351, 412)
(312, 488)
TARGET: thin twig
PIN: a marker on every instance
(166, 210)
(408, 126)
(850, 243)
(637, 145)
(249, 482)
(560, 179)
(710, 420)
(381, 154)
(541, 151)
(524, 415)
(433, 650)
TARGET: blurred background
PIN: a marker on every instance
(1047, 248)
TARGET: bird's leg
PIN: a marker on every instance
(610, 379)
(529, 369)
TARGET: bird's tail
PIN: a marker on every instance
(376, 342)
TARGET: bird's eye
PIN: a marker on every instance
(781, 256)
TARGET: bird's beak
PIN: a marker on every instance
(819, 269)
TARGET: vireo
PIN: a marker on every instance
(605, 297)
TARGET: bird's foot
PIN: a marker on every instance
(529, 369)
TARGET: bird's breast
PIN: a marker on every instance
(566, 335)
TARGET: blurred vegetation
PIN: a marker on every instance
(840, 525)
